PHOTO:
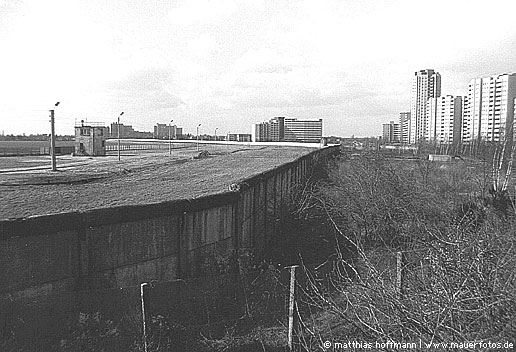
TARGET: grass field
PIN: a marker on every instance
(139, 178)
(27, 147)
(32, 144)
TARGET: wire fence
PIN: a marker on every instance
(195, 314)
(26, 151)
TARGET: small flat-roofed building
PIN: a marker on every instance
(438, 157)
(90, 139)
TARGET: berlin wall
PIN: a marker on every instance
(125, 246)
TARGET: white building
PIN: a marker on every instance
(287, 129)
(404, 127)
(489, 110)
(391, 132)
(268, 131)
(425, 84)
(302, 130)
(466, 128)
(444, 119)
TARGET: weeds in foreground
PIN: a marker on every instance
(459, 256)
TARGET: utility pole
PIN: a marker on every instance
(227, 142)
(199, 125)
(53, 139)
(118, 125)
(169, 137)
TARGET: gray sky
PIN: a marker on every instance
(228, 64)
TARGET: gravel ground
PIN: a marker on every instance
(145, 178)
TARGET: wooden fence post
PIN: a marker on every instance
(291, 304)
(144, 320)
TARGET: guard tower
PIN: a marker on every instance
(90, 138)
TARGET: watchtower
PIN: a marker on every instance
(90, 139)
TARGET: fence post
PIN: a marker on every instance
(400, 273)
(291, 304)
(144, 321)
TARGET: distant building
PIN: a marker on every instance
(277, 131)
(90, 139)
(269, 131)
(405, 127)
(239, 137)
(127, 131)
(280, 129)
(303, 130)
(444, 118)
(489, 108)
(391, 132)
(164, 131)
(425, 84)
(260, 132)
(466, 128)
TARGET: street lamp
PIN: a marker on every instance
(227, 142)
(199, 125)
(169, 137)
(53, 139)
(118, 125)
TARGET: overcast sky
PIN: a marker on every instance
(227, 64)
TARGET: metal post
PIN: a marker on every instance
(142, 295)
(227, 143)
(53, 141)
(118, 127)
(118, 124)
(198, 136)
(291, 304)
(169, 137)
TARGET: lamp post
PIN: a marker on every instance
(169, 137)
(53, 139)
(227, 143)
(118, 125)
(199, 125)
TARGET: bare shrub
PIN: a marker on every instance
(374, 203)
(459, 280)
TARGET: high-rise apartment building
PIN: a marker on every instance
(164, 131)
(489, 109)
(126, 131)
(444, 119)
(269, 131)
(466, 128)
(303, 130)
(404, 127)
(425, 84)
(391, 132)
(260, 132)
(287, 129)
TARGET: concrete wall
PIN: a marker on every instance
(120, 247)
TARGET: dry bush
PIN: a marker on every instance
(375, 202)
(459, 280)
